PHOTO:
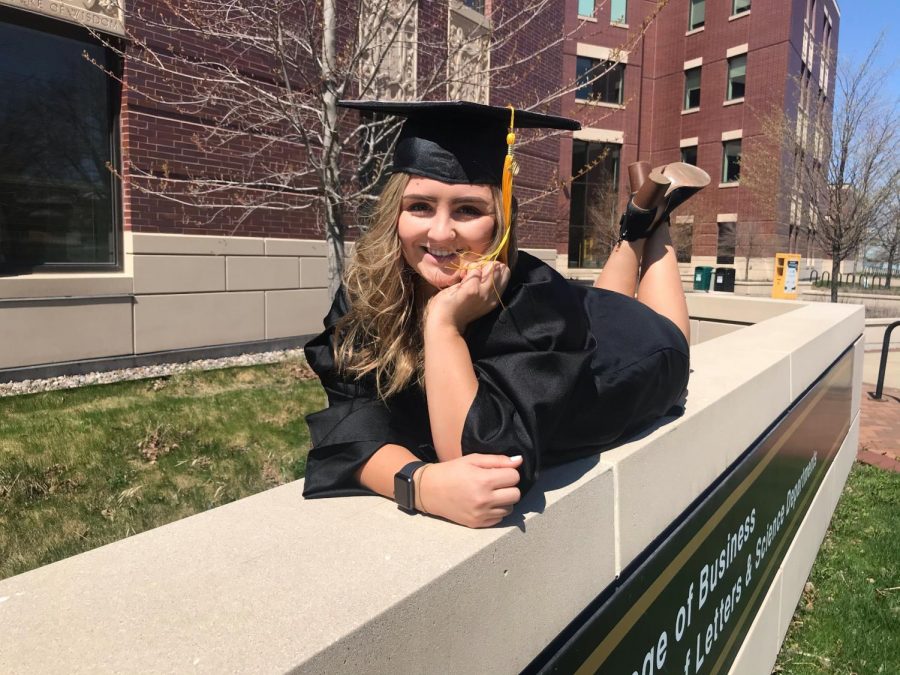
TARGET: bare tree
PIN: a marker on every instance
(886, 234)
(749, 245)
(847, 179)
(265, 76)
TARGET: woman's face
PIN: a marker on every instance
(440, 223)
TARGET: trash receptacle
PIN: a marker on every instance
(702, 277)
(724, 279)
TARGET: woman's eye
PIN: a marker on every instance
(470, 211)
(418, 207)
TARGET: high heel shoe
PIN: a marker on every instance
(656, 194)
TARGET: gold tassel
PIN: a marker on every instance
(510, 169)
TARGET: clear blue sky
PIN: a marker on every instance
(861, 23)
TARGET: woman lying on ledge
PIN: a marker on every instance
(455, 367)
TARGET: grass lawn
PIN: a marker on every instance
(848, 620)
(84, 467)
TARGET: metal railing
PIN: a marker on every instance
(885, 346)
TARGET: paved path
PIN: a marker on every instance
(879, 429)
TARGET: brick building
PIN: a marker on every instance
(701, 87)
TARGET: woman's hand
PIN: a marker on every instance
(473, 490)
(477, 294)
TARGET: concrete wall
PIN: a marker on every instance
(273, 583)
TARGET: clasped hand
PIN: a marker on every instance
(477, 294)
(473, 490)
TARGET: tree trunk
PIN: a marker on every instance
(835, 274)
(892, 254)
(334, 227)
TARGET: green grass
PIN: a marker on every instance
(848, 620)
(84, 467)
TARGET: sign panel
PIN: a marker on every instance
(107, 16)
(686, 606)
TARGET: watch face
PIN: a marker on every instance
(403, 492)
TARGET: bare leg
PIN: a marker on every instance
(660, 286)
(620, 273)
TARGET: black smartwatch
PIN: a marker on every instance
(404, 488)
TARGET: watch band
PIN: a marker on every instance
(405, 488)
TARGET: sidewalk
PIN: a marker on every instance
(879, 431)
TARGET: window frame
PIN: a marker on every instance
(75, 32)
(729, 82)
(593, 8)
(686, 100)
(738, 12)
(725, 144)
(581, 188)
(726, 239)
(624, 15)
(692, 6)
(598, 64)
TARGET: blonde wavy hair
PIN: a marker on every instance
(381, 333)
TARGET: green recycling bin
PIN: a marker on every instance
(702, 278)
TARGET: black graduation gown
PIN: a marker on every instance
(563, 371)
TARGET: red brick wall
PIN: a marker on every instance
(653, 125)
(170, 141)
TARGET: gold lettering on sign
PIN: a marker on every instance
(102, 15)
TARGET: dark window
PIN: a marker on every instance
(593, 227)
(477, 5)
(725, 244)
(697, 14)
(731, 161)
(740, 6)
(58, 198)
(692, 88)
(683, 240)
(689, 155)
(737, 76)
(599, 80)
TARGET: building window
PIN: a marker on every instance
(740, 6)
(689, 155)
(683, 238)
(593, 228)
(585, 7)
(725, 244)
(618, 11)
(731, 161)
(477, 5)
(58, 130)
(692, 88)
(599, 81)
(737, 77)
(697, 14)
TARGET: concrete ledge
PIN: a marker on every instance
(274, 583)
(184, 244)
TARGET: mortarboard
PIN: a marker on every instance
(456, 141)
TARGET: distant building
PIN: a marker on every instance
(695, 90)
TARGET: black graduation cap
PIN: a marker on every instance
(456, 141)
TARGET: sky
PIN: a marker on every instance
(861, 23)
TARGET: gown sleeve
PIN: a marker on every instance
(533, 363)
(353, 427)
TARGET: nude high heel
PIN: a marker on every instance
(655, 194)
